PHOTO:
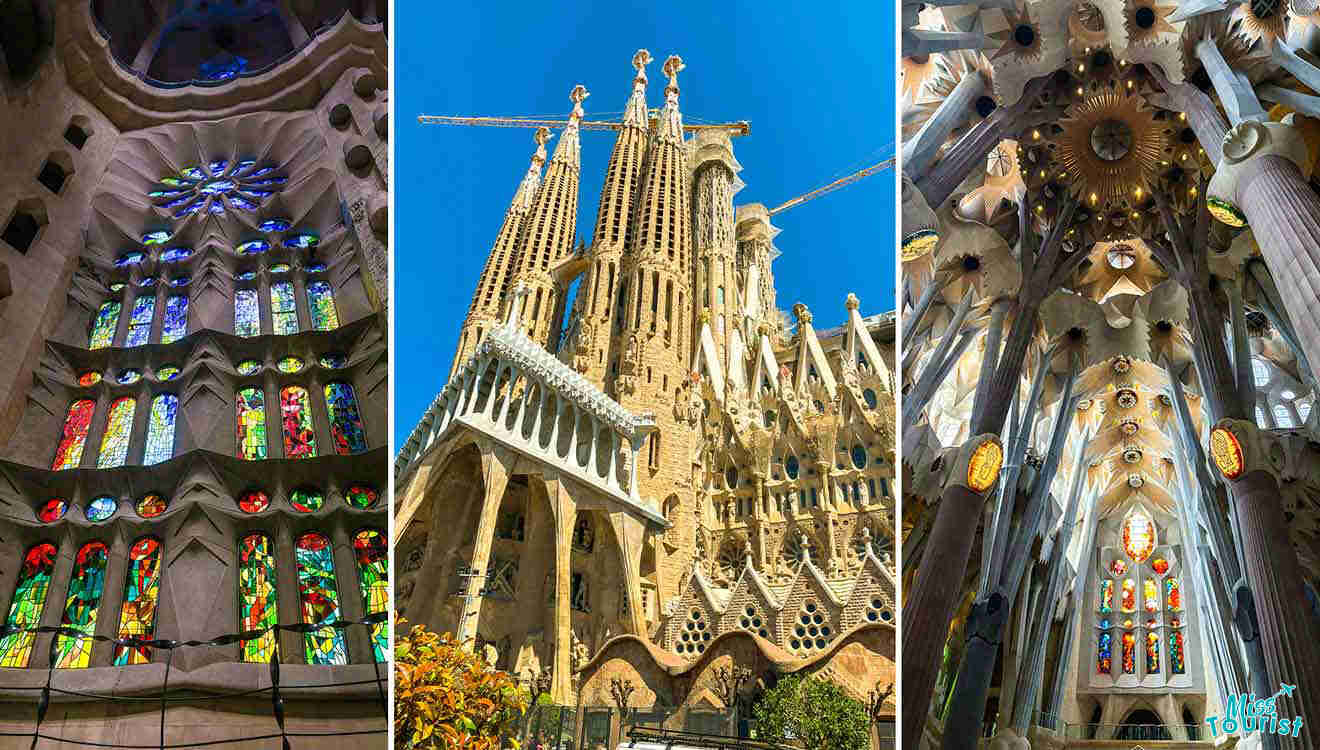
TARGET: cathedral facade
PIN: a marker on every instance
(640, 466)
(194, 397)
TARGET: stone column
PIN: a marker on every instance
(564, 507)
(919, 152)
(630, 533)
(496, 466)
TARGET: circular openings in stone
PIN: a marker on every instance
(158, 237)
(792, 467)
(248, 367)
(333, 361)
(365, 85)
(53, 510)
(275, 225)
(1121, 257)
(89, 378)
(253, 501)
(101, 508)
(984, 106)
(302, 241)
(694, 636)
(151, 505)
(289, 364)
(361, 496)
(859, 456)
(357, 156)
(118, 286)
(869, 397)
(381, 122)
(128, 377)
(306, 499)
(167, 372)
(340, 115)
(176, 254)
(1111, 139)
(1144, 17)
(1024, 35)
(751, 620)
(130, 259)
(279, 268)
(253, 247)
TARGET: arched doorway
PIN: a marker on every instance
(1142, 724)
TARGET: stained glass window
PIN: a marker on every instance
(1104, 659)
(279, 268)
(345, 420)
(1160, 565)
(53, 510)
(1106, 596)
(1138, 536)
(1151, 596)
(360, 496)
(320, 599)
(333, 360)
(175, 326)
(1129, 652)
(168, 372)
(253, 501)
(306, 500)
(296, 416)
(1176, 663)
(26, 606)
(104, 325)
(302, 241)
(151, 505)
(160, 429)
(118, 427)
(248, 367)
(101, 508)
(89, 378)
(1173, 592)
(321, 303)
(251, 408)
(1129, 595)
(275, 225)
(139, 324)
(176, 254)
(1152, 652)
(289, 364)
(283, 309)
(256, 596)
(373, 573)
(128, 376)
(253, 247)
(81, 605)
(137, 617)
(247, 316)
(74, 435)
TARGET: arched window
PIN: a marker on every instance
(81, 605)
(247, 315)
(28, 602)
(374, 576)
(250, 407)
(1304, 410)
(283, 309)
(345, 419)
(74, 435)
(139, 325)
(1260, 372)
(137, 617)
(175, 326)
(1282, 418)
(160, 429)
(296, 415)
(118, 428)
(320, 599)
(104, 325)
(256, 596)
(321, 304)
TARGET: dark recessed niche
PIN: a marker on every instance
(984, 106)
(52, 176)
(1145, 17)
(21, 231)
(76, 136)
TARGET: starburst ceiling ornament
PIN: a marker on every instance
(1020, 38)
(1110, 143)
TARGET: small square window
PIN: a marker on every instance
(76, 136)
(52, 176)
(21, 231)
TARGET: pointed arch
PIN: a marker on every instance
(81, 606)
(257, 596)
(27, 604)
(73, 436)
(320, 599)
(137, 616)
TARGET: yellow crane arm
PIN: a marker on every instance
(734, 129)
(854, 177)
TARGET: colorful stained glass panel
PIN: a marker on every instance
(279, 268)
(158, 237)
(373, 574)
(361, 496)
(320, 599)
(296, 416)
(81, 605)
(53, 510)
(1176, 663)
(302, 240)
(74, 435)
(1104, 658)
(130, 259)
(160, 429)
(333, 361)
(139, 324)
(253, 247)
(168, 372)
(176, 254)
(101, 508)
(283, 308)
(180, 281)
(1173, 594)
(175, 326)
(253, 501)
(104, 325)
(248, 367)
(306, 500)
(1160, 565)
(1106, 596)
(128, 376)
(27, 604)
(275, 225)
(247, 315)
(141, 589)
(251, 413)
(89, 378)
(345, 419)
(256, 596)
(289, 364)
(1138, 536)
(1129, 653)
(1152, 653)
(1150, 598)
(321, 304)
(1129, 595)
(118, 427)
(151, 505)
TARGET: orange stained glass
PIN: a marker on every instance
(1151, 596)
(1106, 596)
(74, 435)
(1138, 536)
(1129, 652)
(1129, 602)
(1173, 592)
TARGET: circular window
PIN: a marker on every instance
(128, 377)
(167, 372)
(279, 268)
(53, 510)
(101, 508)
(253, 501)
(360, 496)
(306, 500)
(253, 247)
(289, 364)
(275, 225)
(176, 254)
(151, 505)
(1111, 140)
(1121, 257)
(248, 367)
(333, 361)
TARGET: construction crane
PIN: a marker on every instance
(734, 129)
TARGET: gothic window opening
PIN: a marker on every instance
(52, 176)
(257, 596)
(139, 323)
(137, 616)
(175, 325)
(584, 536)
(373, 566)
(296, 414)
(81, 606)
(579, 596)
(118, 429)
(21, 231)
(160, 429)
(104, 325)
(73, 436)
(247, 315)
(283, 309)
(345, 420)
(320, 600)
(27, 604)
(1282, 418)
(250, 406)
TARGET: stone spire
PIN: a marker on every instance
(492, 286)
(548, 231)
(635, 113)
(671, 120)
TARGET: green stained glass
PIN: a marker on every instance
(151, 505)
(137, 616)
(320, 599)
(104, 325)
(306, 500)
(321, 303)
(118, 428)
(248, 367)
(345, 420)
(168, 372)
(374, 576)
(74, 435)
(256, 596)
(289, 364)
(296, 418)
(139, 325)
(247, 316)
(160, 429)
(283, 309)
(251, 410)
(26, 606)
(360, 496)
(80, 608)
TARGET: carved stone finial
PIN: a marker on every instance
(578, 95)
(852, 303)
(801, 312)
(542, 136)
(640, 60)
(673, 64)
(747, 552)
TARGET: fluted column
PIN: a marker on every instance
(920, 152)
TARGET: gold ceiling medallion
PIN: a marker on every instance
(1146, 19)
(1266, 20)
(1110, 143)
(1127, 398)
(1129, 426)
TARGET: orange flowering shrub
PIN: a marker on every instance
(447, 697)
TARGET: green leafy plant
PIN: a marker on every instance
(445, 696)
(816, 713)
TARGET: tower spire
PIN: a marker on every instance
(570, 148)
(522, 199)
(635, 113)
(671, 120)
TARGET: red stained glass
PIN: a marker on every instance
(53, 510)
(1129, 653)
(1129, 602)
(253, 501)
(1139, 536)
(74, 435)
(1160, 565)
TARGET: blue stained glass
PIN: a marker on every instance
(130, 259)
(158, 237)
(243, 166)
(245, 275)
(176, 254)
(160, 429)
(275, 225)
(190, 209)
(101, 508)
(195, 173)
(176, 319)
(321, 304)
(222, 67)
(216, 208)
(253, 247)
(283, 309)
(258, 194)
(139, 325)
(316, 268)
(218, 167)
(103, 327)
(247, 316)
(280, 268)
(167, 193)
(320, 599)
(262, 171)
(128, 377)
(302, 240)
(243, 203)
(185, 198)
(271, 181)
(148, 281)
(345, 420)
(333, 360)
(180, 280)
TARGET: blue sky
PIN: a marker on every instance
(817, 87)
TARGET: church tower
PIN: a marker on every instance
(715, 182)
(493, 286)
